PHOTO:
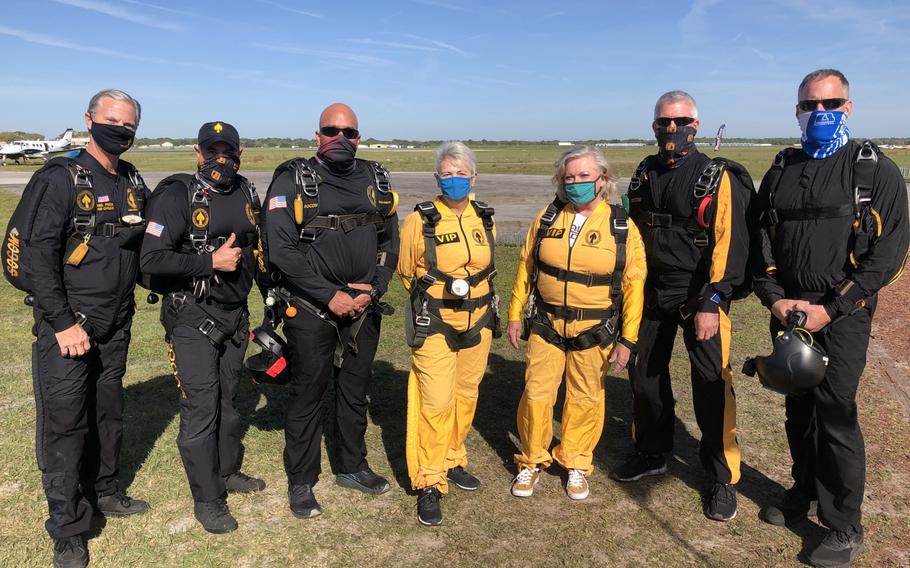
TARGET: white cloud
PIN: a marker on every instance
(49, 41)
(122, 13)
(291, 9)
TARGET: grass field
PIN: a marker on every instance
(657, 522)
(527, 159)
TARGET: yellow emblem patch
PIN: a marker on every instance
(249, 214)
(218, 128)
(85, 200)
(478, 236)
(131, 201)
(200, 218)
(592, 238)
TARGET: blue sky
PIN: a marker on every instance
(431, 69)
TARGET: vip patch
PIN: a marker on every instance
(200, 218)
(554, 233)
(447, 238)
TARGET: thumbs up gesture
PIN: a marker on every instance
(227, 256)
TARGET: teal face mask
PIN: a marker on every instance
(581, 192)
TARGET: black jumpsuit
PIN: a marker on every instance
(812, 257)
(208, 374)
(315, 272)
(79, 401)
(696, 279)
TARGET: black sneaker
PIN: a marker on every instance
(70, 552)
(365, 481)
(838, 549)
(463, 479)
(118, 504)
(720, 503)
(428, 511)
(303, 502)
(214, 516)
(640, 465)
(240, 482)
(793, 507)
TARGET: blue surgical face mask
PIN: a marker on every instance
(824, 132)
(455, 188)
(581, 192)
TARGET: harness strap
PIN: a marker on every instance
(347, 223)
(182, 310)
(600, 335)
(460, 304)
(570, 313)
(577, 277)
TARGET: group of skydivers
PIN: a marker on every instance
(597, 284)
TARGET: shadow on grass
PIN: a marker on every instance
(388, 410)
(149, 408)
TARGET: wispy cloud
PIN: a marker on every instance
(349, 56)
(157, 7)
(291, 9)
(122, 13)
(395, 44)
(694, 25)
(49, 41)
(443, 45)
(439, 4)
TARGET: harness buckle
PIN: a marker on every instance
(707, 181)
(80, 318)
(200, 197)
(660, 219)
(206, 327)
(306, 179)
(307, 236)
(334, 222)
(610, 326)
(866, 153)
(548, 217)
(429, 279)
(702, 240)
(621, 224)
(83, 221)
(778, 160)
(108, 229)
(773, 216)
(422, 321)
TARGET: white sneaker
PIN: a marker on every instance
(524, 482)
(577, 485)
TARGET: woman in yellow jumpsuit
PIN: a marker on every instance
(449, 328)
(568, 280)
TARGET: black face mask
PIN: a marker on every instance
(112, 138)
(219, 170)
(675, 143)
(337, 154)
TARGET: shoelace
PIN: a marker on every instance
(525, 475)
(576, 478)
(70, 543)
(432, 496)
(721, 492)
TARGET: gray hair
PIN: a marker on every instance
(675, 97)
(117, 95)
(605, 169)
(457, 152)
(820, 74)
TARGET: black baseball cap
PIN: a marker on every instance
(218, 131)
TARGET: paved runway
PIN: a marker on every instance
(516, 198)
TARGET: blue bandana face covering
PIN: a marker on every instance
(581, 192)
(824, 132)
(455, 188)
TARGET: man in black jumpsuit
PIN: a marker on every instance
(203, 256)
(696, 252)
(339, 275)
(83, 311)
(808, 207)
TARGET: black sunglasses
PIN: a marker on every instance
(827, 104)
(665, 121)
(332, 131)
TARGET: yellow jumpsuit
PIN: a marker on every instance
(443, 383)
(594, 252)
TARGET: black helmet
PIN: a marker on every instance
(795, 366)
(269, 365)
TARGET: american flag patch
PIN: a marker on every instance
(154, 229)
(103, 198)
(278, 202)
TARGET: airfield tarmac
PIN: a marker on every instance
(516, 198)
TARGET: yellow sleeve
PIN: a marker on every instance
(521, 289)
(633, 284)
(410, 249)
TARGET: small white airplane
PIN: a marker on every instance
(35, 149)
